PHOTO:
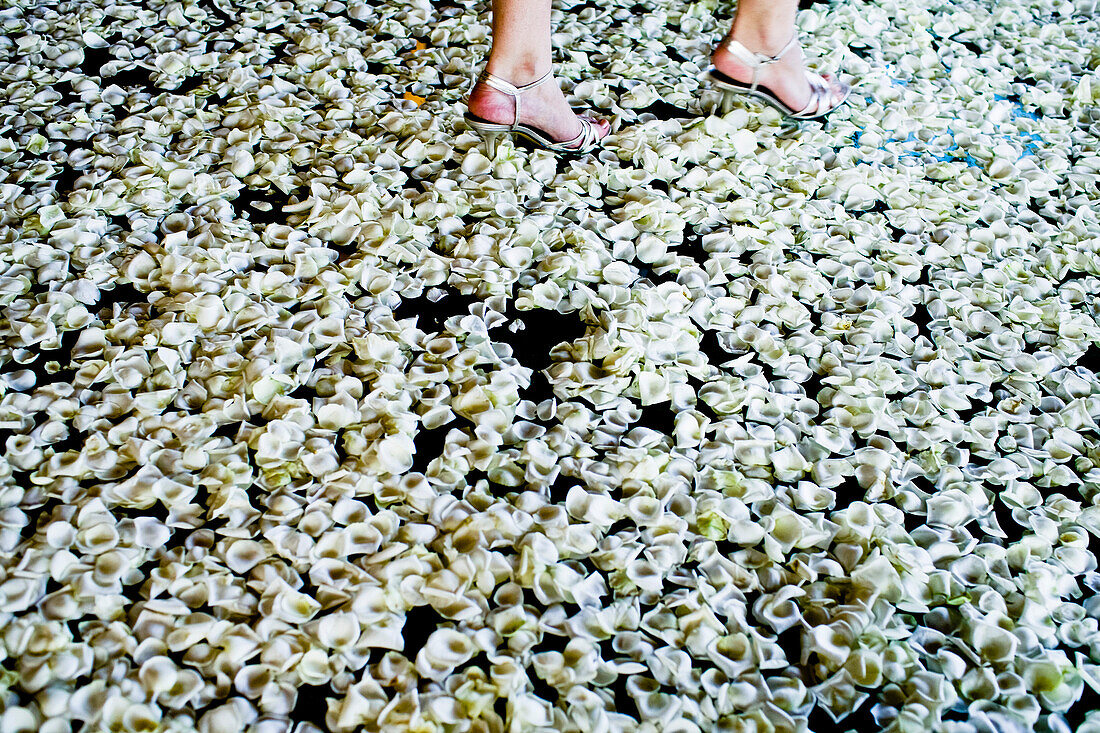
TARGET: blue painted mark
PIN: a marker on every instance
(1031, 147)
(1017, 108)
(955, 152)
(1029, 141)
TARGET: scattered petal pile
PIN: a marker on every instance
(317, 419)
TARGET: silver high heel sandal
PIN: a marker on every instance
(820, 91)
(491, 132)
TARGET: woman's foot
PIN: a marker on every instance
(786, 78)
(543, 108)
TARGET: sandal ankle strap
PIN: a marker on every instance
(502, 85)
(756, 60)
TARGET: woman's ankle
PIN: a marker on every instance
(518, 70)
(762, 35)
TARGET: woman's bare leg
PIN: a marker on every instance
(764, 26)
(520, 55)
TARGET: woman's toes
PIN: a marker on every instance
(840, 90)
(837, 90)
(602, 124)
(835, 83)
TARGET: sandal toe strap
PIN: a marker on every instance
(822, 93)
(820, 96)
(592, 136)
(584, 139)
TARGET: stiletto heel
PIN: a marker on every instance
(726, 105)
(491, 139)
(491, 132)
(820, 91)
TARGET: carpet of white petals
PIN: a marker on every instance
(316, 419)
